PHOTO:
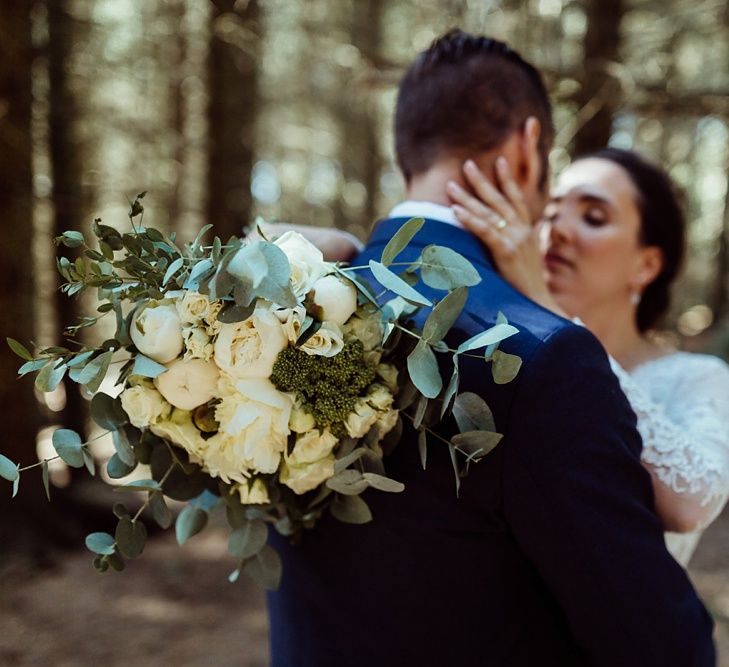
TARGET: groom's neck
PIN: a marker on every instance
(431, 185)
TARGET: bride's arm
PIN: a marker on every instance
(336, 245)
(686, 446)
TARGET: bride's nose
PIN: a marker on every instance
(560, 229)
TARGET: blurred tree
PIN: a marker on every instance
(66, 155)
(598, 93)
(16, 279)
(233, 61)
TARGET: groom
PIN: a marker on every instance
(551, 555)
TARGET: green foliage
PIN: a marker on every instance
(100, 543)
(131, 537)
(444, 315)
(394, 283)
(443, 268)
(190, 521)
(247, 540)
(351, 509)
(69, 446)
(8, 469)
(423, 368)
(400, 240)
(505, 367)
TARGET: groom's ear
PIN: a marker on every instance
(530, 167)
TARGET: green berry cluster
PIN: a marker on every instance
(328, 386)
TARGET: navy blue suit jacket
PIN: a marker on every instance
(551, 556)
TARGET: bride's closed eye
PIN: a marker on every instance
(595, 217)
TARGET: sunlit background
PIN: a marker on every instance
(226, 110)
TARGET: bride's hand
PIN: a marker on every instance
(502, 223)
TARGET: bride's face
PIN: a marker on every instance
(592, 254)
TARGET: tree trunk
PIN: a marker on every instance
(232, 78)
(599, 89)
(69, 206)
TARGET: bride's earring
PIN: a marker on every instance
(635, 298)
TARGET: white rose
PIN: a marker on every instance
(255, 494)
(144, 405)
(311, 447)
(198, 344)
(303, 478)
(292, 320)
(389, 374)
(379, 397)
(306, 261)
(192, 307)
(367, 328)
(336, 297)
(156, 330)
(255, 417)
(301, 421)
(211, 319)
(188, 383)
(180, 430)
(248, 349)
(327, 342)
(385, 423)
(361, 419)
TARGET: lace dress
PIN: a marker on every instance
(682, 404)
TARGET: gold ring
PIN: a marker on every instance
(501, 223)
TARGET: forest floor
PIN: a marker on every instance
(174, 607)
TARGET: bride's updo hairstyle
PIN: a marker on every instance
(465, 95)
(662, 225)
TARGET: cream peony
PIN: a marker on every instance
(365, 327)
(198, 344)
(248, 349)
(336, 297)
(188, 384)
(379, 397)
(311, 447)
(292, 320)
(156, 331)
(144, 405)
(301, 421)
(327, 342)
(253, 494)
(306, 261)
(192, 307)
(254, 416)
(306, 477)
(389, 374)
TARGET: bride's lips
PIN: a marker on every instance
(553, 260)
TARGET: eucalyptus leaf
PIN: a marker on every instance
(495, 334)
(444, 315)
(32, 366)
(423, 370)
(160, 512)
(247, 540)
(131, 537)
(147, 367)
(423, 447)
(88, 461)
(348, 460)
(476, 444)
(189, 523)
(95, 371)
(123, 446)
(201, 270)
(79, 359)
(451, 389)
(456, 467)
(505, 367)
(233, 314)
(100, 543)
(49, 377)
(172, 269)
(382, 483)
(443, 268)
(68, 445)
(350, 509)
(265, 568)
(400, 240)
(394, 283)
(16, 485)
(19, 349)
(249, 264)
(116, 468)
(348, 482)
(107, 411)
(8, 469)
(472, 413)
(140, 485)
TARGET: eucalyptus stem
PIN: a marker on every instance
(448, 349)
(58, 456)
(145, 505)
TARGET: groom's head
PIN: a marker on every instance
(473, 97)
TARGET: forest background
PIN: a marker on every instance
(225, 110)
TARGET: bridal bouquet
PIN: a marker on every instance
(256, 377)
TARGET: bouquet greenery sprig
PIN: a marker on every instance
(253, 376)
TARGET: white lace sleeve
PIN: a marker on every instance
(686, 440)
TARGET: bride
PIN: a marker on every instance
(611, 245)
(607, 252)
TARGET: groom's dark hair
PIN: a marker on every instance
(464, 95)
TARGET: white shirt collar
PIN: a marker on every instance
(425, 209)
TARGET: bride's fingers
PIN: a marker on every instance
(483, 229)
(512, 190)
(488, 193)
(470, 203)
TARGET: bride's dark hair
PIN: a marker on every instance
(662, 225)
(463, 95)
